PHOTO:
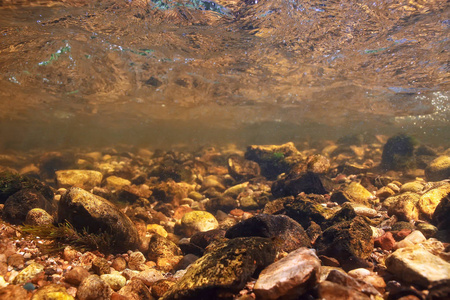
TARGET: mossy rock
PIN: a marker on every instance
(224, 270)
(353, 192)
(11, 183)
(398, 153)
(346, 239)
(438, 169)
(404, 206)
(303, 210)
(52, 292)
(274, 159)
(160, 247)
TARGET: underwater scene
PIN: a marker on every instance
(227, 149)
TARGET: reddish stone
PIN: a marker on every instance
(385, 242)
(181, 211)
(237, 212)
(400, 235)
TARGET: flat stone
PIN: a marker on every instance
(291, 276)
(85, 179)
(418, 266)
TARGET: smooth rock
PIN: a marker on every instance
(136, 260)
(136, 290)
(100, 266)
(155, 228)
(52, 292)
(19, 204)
(413, 187)
(38, 216)
(28, 273)
(318, 164)
(115, 281)
(291, 234)
(343, 279)
(13, 292)
(76, 275)
(85, 179)
(438, 169)
(226, 268)
(294, 184)
(417, 266)
(85, 210)
(119, 263)
(149, 276)
(196, 221)
(328, 290)
(94, 288)
(116, 183)
(290, 276)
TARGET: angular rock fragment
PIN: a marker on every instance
(289, 277)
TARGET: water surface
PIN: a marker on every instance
(163, 72)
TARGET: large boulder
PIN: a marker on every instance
(86, 211)
(224, 270)
(19, 204)
(291, 233)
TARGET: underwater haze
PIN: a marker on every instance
(189, 72)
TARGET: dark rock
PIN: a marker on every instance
(314, 231)
(10, 183)
(19, 204)
(224, 270)
(441, 216)
(161, 287)
(242, 169)
(303, 210)
(86, 211)
(347, 240)
(291, 233)
(204, 238)
(190, 248)
(438, 169)
(274, 159)
(186, 261)
(294, 184)
(398, 153)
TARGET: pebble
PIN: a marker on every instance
(93, 287)
(196, 221)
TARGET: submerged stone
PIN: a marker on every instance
(19, 204)
(430, 200)
(242, 169)
(353, 192)
(289, 277)
(28, 273)
(294, 184)
(438, 169)
(304, 210)
(196, 221)
(94, 288)
(398, 153)
(10, 183)
(224, 270)
(85, 179)
(291, 234)
(418, 266)
(441, 215)
(38, 216)
(86, 211)
(52, 292)
(403, 206)
(346, 239)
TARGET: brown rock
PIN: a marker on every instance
(385, 242)
(94, 288)
(160, 287)
(100, 266)
(332, 291)
(76, 275)
(13, 292)
(136, 290)
(119, 263)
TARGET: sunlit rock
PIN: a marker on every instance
(85, 179)
(418, 266)
(438, 169)
(196, 221)
(353, 192)
(431, 199)
(404, 206)
(290, 276)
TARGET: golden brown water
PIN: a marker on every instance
(195, 71)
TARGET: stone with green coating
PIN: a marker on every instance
(225, 269)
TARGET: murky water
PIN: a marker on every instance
(166, 72)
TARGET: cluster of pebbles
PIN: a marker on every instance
(360, 218)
